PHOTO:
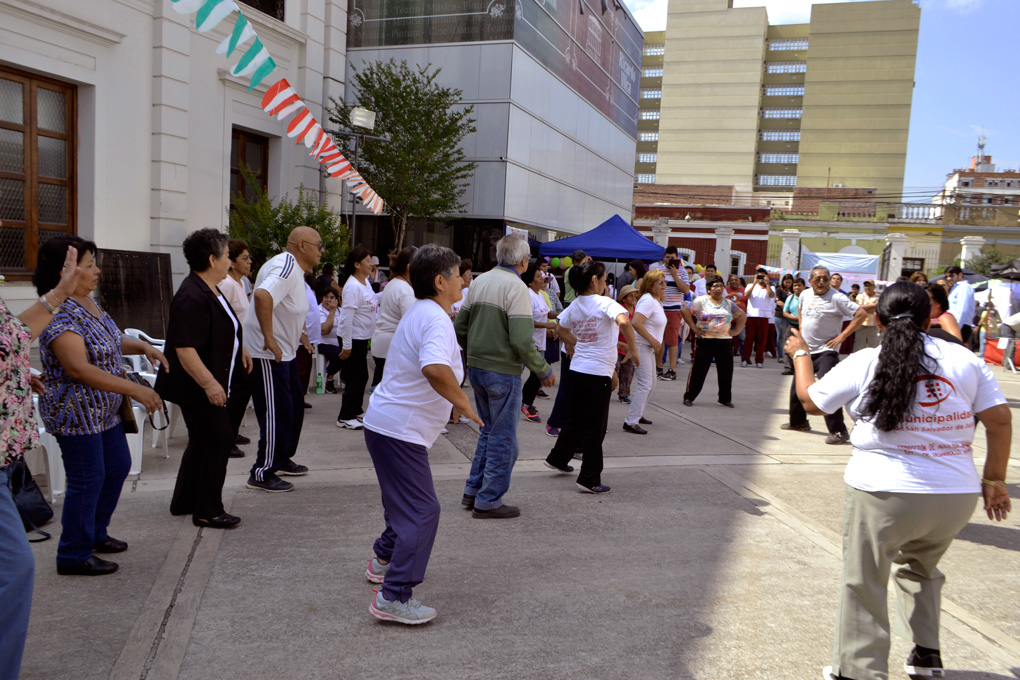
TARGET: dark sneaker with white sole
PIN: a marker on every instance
(598, 488)
(838, 438)
(293, 469)
(924, 663)
(566, 469)
(272, 484)
(502, 512)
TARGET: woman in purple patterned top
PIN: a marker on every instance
(18, 434)
(82, 362)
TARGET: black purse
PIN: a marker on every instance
(28, 498)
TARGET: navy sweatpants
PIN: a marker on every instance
(410, 509)
(280, 409)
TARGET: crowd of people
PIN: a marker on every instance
(429, 325)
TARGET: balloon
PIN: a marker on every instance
(567, 262)
(555, 263)
(700, 268)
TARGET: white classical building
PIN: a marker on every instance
(119, 121)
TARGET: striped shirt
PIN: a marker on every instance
(69, 407)
(674, 300)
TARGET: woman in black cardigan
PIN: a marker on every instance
(206, 354)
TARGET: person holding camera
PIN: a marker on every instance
(760, 303)
(678, 284)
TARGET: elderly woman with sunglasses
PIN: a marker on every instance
(82, 357)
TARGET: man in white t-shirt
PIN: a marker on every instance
(699, 285)
(820, 321)
(273, 330)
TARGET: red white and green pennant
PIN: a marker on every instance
(280, 99)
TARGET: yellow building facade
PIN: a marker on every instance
(768, 108)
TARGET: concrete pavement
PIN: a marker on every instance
(717, 555)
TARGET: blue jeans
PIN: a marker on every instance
(96, 467)
(498, 400)
(17, 573)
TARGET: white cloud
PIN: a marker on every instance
(964, 6)
(651, 14)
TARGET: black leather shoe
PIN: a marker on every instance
(224, 521)
(468, 501)
(109, 545)
(235, 453)
(241, 440)
(727, 404)
(502, 512)
(644, 421)
(634, 429)
(93, 566)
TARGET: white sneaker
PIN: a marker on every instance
(760, 365)
(411, 613)
(464, 420)
(376, 570)
(444, 431)
(743, 364)
(679, 360)
(350, 424)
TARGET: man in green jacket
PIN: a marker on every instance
(496, 329)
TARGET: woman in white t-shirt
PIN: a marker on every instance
(649, 326)
(396, 298)
(406, 414)
(360, 307)
(588, 328)
(540, 313)
(911, 483)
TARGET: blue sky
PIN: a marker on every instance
(966, 82)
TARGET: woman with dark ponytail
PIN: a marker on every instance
(911, 483)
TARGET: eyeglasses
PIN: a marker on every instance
(317, 245)
(245, 258)
(820, 278)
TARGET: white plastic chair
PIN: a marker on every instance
(56, 479)
(136, 441)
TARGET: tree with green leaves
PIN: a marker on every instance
(420, 172)
(990, 255)
(265, 225)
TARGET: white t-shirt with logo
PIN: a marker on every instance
(592, 320)
(540, 314)
(655, 318)
(284, 280)
(405, 406)
(930, 451)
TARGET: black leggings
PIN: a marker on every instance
(531, 387)
(586, 420)
(354, 373)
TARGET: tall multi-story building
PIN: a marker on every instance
(980, 184)
(768, 108)
(554, 87)
(648, 107)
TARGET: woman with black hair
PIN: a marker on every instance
(944, 325)
(205, 348)
(81, 352)
(396, 298)
(357, 323)
(588, 329)
(911, 483)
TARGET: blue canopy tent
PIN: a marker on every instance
(614, 239)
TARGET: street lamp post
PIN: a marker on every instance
(360, 118)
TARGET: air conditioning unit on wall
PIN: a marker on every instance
(837, 186)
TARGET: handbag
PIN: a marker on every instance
(28, 498)
(126, 412)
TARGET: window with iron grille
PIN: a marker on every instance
(649, 115)
(772, 112)
(777, 157)
(652, 73)
(654, 50)
(779, 135)
(646, 179)
(784, 91)
(777, 180)
(786, 67)
(649, 137)
(38, 120)
(788, 44)
(273, 8)
(647, 158)
(651, 94)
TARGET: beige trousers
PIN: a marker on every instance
(905, 534)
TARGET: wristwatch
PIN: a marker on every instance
(801, 353)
